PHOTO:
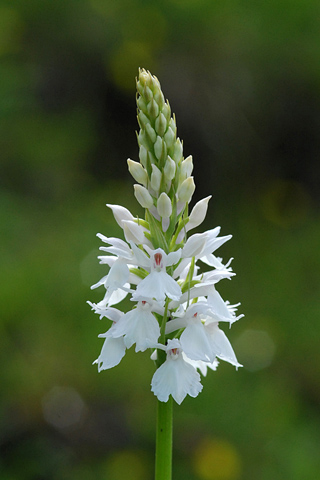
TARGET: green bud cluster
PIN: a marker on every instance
(164, 176)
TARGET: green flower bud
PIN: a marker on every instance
(151, 133)
(160, 149)
(169, 168)
(169, 137)
(142, 138)
(177, 154)
(152, 158)
(143, 155)
(143, 77)
(161, 125)
(186, 189)
(138, 172)
(155, 178)
(172, 124)
(147, 93)
(159, 98)
(166, 110)
(153, 109)
(155, 84)
(143, 119)
(142, 105)
(164, 205)
(143, 196)
(140, 87)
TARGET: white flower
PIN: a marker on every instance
(106, 311)
(221, 310)
(118, 247)
(221, 344)
(116, 279)
(120, 213)
(194, 340)
(200, 365)
(113, 349)
(202, 338)
(134, 232)
(198, 213)
(175, 376)
(138, 326)
(112, 352)
(158, 283)
(194, 245)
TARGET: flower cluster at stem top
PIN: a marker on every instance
(176, 309)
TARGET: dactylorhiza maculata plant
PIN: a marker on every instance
(176, 310)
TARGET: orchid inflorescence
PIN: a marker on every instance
(176, 309)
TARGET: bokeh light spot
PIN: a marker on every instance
(63, 407)
(255, 349)
(216, 459)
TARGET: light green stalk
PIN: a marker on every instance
(163, 467)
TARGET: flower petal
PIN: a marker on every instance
(112, 352)
(120, 213)
(195, 343)
(198, 213)
(221, 345)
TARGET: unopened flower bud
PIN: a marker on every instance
(161, 124)
(138, 172)
(142, 104)
(177, 154)
(169, 137)
(186, 189)
(159, 98)
(147, 93)
(166, 110)
(152, 158)
(143, 196)
(143, 155)
(172, 124)
(153, 109)
(142, 139)
(160, 149)
(143, 77)
(164, 205)
(151, 133)
(155, 178)
(155, 83)
(143, 119)
(186, 168)
(169, 168)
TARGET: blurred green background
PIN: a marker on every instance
(243, 79)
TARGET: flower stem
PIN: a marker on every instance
(164, 441)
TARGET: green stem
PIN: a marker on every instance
(164, 441)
